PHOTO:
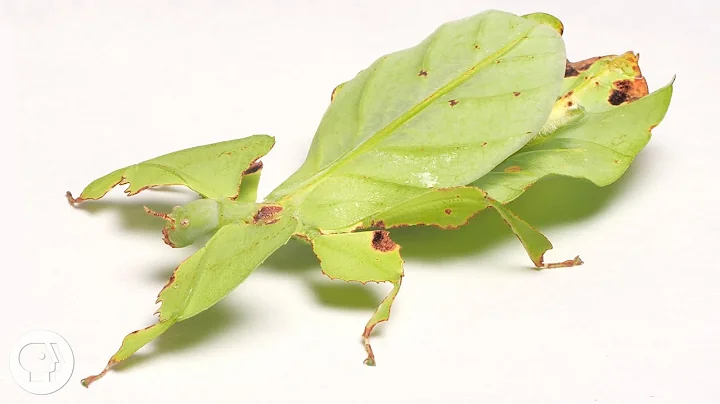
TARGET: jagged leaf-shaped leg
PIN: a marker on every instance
(213, 171)
(454, 207)
(535, 243)
(206, 277)
(363, 257)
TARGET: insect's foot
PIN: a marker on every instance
(370, 360)
(86, 382)
(565, 264)
(72, 201)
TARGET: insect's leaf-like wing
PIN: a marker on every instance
(207, 276)
(587, 136)
(440, 114)
(213, 171)
(595, 131)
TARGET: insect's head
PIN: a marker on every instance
(187, 223)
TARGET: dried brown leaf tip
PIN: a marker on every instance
(631, 89)
(254, 167)
(381, 241)
(575, 68)
(334, 92)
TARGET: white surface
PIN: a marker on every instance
(87, 87)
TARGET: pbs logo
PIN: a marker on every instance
(41, 362)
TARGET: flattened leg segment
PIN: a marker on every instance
(213, 171)
(454, 207)
(131, 343)
(535, 243)
(206, 277)
(382, 313)
(363, 257)
(250, 182)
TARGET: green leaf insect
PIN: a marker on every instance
(431, 135)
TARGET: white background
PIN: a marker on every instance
(90, 86)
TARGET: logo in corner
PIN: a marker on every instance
(41, 362)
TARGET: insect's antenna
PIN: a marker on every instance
(158, 214)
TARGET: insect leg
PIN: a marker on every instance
(535, 243)
(363, 257)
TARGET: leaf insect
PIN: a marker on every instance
(466, 120)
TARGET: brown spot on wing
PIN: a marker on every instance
(623, 85)
(381, 241)
(617, 97)
(267, 214)
(628, 90)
